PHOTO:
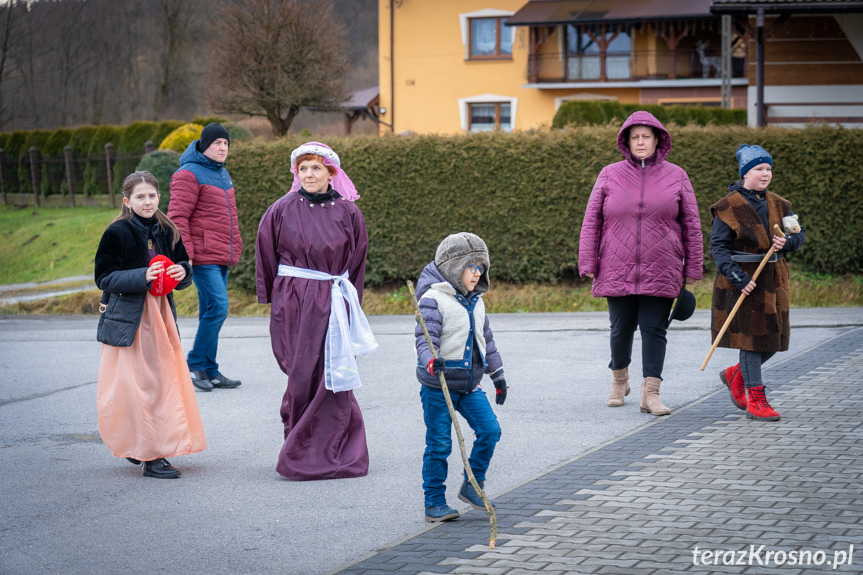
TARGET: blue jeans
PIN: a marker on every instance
(212, 284)
(476, 410)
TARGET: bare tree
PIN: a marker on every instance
(69, 57)
(273, 58)
(9, 41)
(176, 33)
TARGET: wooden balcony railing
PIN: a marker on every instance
(556, 67)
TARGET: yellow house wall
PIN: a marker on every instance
(432, 72)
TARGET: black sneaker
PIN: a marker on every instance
(160, 468)
(133, 461)
(201, 381)
(223, 382)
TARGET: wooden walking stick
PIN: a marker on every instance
(777, 232)
(488, 507)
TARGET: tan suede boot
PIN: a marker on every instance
(619, 386)
(650, 402)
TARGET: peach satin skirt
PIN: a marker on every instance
(145, 399)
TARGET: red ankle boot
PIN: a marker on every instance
(758, 407)
(732, 377)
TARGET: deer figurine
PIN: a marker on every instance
(707, 62)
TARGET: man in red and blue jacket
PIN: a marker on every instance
(205, 210)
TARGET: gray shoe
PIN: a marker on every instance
(201, 381)
(223, 382)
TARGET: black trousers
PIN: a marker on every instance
(650, 315)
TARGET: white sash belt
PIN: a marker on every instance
(345, 340)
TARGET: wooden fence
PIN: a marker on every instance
(69, 175)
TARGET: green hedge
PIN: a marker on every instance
(35, 138)
(132, 141)
(80, 142)
(238, 133)
(81, 138)
(162, 164)
(96, 172)
(204, 120)
(88, 146)
(179, 139)
(525, 193)
(54, 171)
(14, 142)
(597, 112)
(163, 130)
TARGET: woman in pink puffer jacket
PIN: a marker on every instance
(640, 240)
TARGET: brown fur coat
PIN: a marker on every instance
(761, 323)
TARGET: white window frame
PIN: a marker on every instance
(464, 22)
(464, 108)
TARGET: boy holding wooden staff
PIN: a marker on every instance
(450, 292)
(740, 238)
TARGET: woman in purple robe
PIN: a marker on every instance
(309, 243)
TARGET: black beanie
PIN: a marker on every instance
(210, 134)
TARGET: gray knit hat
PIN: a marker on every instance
(455, 253)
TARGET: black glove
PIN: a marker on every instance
(500, 391)
(435, 366)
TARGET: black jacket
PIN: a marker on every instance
(122, 260)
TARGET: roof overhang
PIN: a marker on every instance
(786, 6)
(362, 99)
(554, 12)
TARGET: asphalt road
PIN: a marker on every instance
(68, 506)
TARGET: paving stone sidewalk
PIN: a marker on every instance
(702, 491)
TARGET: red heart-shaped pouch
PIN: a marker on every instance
(163, 283)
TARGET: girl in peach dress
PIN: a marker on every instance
(146, 403)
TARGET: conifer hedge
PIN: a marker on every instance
(37, 139)
(163, 130)
(525, 193)
(14, 142)
(88, 146)
(81, 138)
(204, 120)
(181, 137)
(162, 164)
(131, 143)
(237, 133)
(52, 168)
(80, 142)
(598, 112)
(95, 174)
